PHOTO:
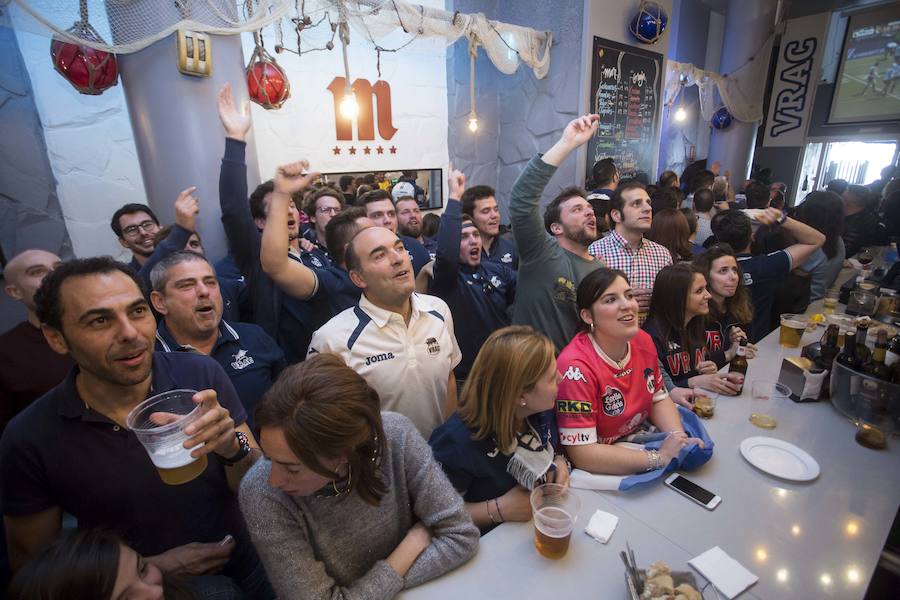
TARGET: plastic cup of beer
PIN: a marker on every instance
(830, 301)
(159, 423)
(555, 509)
(792, 328)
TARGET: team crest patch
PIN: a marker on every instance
(648, 375)
(495, 281)
(315, 261)
(506, 258)
(242, 360)
(613, 402)
(432, 345)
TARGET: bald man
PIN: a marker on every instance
(28, 367)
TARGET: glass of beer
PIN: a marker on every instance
(792, 328)
(764, 392)
(159, 423)
(555, 508)
(830, 301)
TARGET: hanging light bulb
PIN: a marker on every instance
(473, 122)
(349, 108)
(680, 114)
(473, 117)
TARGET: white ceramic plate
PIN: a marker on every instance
(779, 458)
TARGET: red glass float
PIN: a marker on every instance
(267, 82)
(90, 71)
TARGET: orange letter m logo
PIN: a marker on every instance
(363, 90)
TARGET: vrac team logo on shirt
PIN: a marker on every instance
(506, 258)
(613, 402)
(432, 345)
(574, 374)
(242, 360)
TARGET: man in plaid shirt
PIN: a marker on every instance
(625, 247)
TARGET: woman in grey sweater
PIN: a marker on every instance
(348, 502)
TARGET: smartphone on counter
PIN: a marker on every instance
(688, 488)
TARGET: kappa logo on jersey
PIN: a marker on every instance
(242, 360)
(506, 258)
(573, 373)
(432, 345)
(613, 402)
(573, 407)
(371, 360)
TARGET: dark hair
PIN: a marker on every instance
(739, 305)
(603, 172)
(691, 217)
(663, 198)
(668, 179)
(127, 210)
(617, 202)
(257, 204)
(862, 195)
(81, 564)
(48, 305)
(732, 227)
(670, 229)
(369, 179)
(166, 230)
(777, 200)
(823, 211)
(703, 200)
(309, 203)
(345, 181)
(375, 196)
(702, 179)
(757, 195)
(159, 274)
(324, 408)
(553, 213)
(341, 229)
(668, 306)
(430, 225)
(642, 177)
(473, 194)
(838, 186)
(592, 287)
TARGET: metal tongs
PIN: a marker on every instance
(632, 569)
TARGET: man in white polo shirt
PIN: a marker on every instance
(401, 342)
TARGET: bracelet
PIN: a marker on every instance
(487, 506)
(499, 514)
(653, 460)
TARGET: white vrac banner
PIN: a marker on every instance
(796, 79)
(402, 120)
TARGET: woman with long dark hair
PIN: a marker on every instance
(611, 386)
(670, 228)
(89, 564)
(677, 325)
(730, 309)
(823, 211)
(502, 441)
(348, 501)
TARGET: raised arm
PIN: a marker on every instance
(293, 277)
(446, 263)
(808, 238)
(186, 209)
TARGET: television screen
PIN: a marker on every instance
(868, 83)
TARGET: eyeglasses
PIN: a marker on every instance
(325, 210)
(132, 230)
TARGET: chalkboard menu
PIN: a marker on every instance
(625, 92)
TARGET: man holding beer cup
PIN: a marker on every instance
(71, 450)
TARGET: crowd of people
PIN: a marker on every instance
(374, 395)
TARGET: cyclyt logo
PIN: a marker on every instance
(574, 374)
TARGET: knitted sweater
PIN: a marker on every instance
(334, 547)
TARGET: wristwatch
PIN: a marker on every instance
(243, 450)
(782, 218)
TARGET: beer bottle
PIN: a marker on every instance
(893, 350)
(862, 331)
(848, 356)
(739, 362)
(829, 348)
(877, 368)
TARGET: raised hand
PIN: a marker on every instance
(236, 121)
(580, 130)
(457, 183)
(294, 177)
(186, 209)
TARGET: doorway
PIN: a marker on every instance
(857, 162)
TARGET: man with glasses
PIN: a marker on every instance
(136, 226)
(320, 205)
(478, 292)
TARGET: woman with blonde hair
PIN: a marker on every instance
(348, 501)
(501, 441)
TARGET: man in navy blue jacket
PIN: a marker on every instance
(478, 292)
